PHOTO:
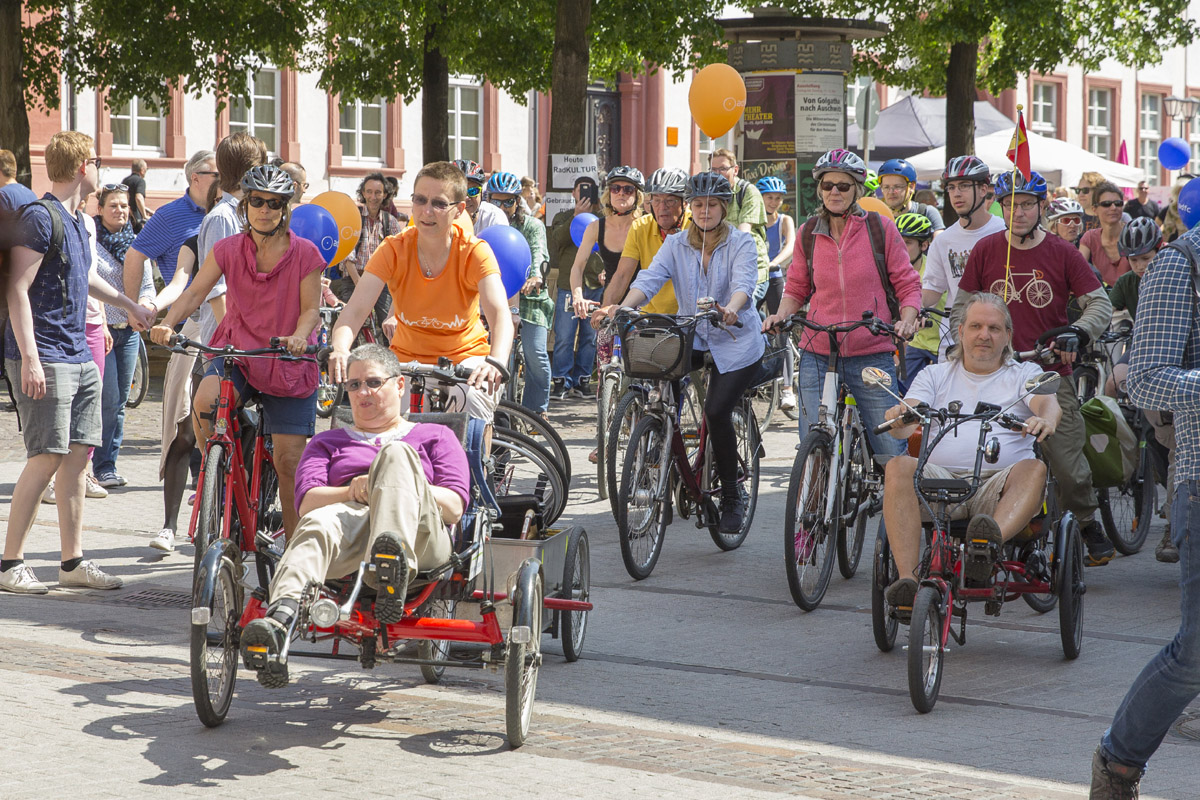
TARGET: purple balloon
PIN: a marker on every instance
(1189, 203)
(579, 225)
(1174, 153)
(317, 225)
(512, 254)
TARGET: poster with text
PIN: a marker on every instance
(767, 121)
(782, 168)
(820, 112)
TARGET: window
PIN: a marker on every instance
(1099, 122)
(361, 128)
(1045, 109)
(1194, 139)
(258, 114)
(707, 145)
(1149, 135)
(853, 90)
(136, 127)
(466, 117)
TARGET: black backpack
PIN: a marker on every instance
(808, 237)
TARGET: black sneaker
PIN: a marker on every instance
(900, 596)
(733, 511)
(1100, 550)
(584, 388)
(983, 545)
(558, 389)
(391, 573)
(262, 646)
(1112, 781)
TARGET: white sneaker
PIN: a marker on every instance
(787, 400)
(165, 540)
(93, 489)
(21, 579)
(48, 495)
(89, 576)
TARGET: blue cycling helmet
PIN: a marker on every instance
(898, 166)
(1036, 186)
(771, 185)
(504, 183)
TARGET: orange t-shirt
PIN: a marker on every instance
(435, 316)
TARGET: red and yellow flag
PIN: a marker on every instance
(1018, 148)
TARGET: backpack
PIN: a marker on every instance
(808, 237)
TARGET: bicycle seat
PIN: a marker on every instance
(952, 486)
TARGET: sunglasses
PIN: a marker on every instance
(1110, 203)
(828, 186)
(371, 383)
(509, 203)
(114, 187)
(1083, 190)
(622, 188)
(95, 161)
(473, 191)
(274, 203)
(437, 203)
(211, 172)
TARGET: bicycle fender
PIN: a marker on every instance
(210, 565)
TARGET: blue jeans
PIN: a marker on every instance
(573, 359)
(872, 402)
(915, 360)
(1172, 678)
(537, 367)
(119, 364)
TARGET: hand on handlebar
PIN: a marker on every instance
(580, 304)
(295, 345)
(728, 318)
(1039, 427)
(772, 321)
(161, 335)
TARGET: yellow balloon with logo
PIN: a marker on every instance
(717, 99)
(348, 218)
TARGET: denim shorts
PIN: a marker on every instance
(68, 413)
(283, 415)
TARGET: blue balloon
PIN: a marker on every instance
(512, 254)
(579, 225)
(316, 224)
(1189, 203)
(1174, 153)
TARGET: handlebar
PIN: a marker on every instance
(877, 326)
(448, 371)
(942, 415)
(711, 315)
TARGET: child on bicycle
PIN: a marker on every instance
(917, 232)
(712, 259)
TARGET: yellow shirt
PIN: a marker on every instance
(642, 243)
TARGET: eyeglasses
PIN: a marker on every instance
(828, 186)
(95, 161)
(1024, 208)
(437, 204)
(1109, 203)
(1083, 190)
(372, 384)
(211, 172)
(895, 189)
(274, 203)
(473, 191)
(723, 169)
(622, 188)
(509, 203)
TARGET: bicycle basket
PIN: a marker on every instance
(656, 347)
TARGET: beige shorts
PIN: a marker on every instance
(983, 502)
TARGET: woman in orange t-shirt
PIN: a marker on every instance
(440, 278)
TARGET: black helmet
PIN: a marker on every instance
(631, 174)
(473, 171)
(267, 178)
(1140, 236)
(672, 180)
(709, 184)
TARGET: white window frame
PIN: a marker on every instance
(853, 90)
(1044, 116)
(455, 113)
(1095, 131)
(1194, 140)
(250, 126)
(357, 131)
(705, 145)
(1150, 116)
(131, 111)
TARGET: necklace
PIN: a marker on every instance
(426, 270)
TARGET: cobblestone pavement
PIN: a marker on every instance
(702, 681)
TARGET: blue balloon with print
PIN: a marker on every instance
(579, 225)
(1189, 203)
(1174, 153)
(512, 254)
(316, 224)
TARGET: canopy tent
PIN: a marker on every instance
(915, 124)
(1060, 163)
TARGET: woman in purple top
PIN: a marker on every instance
(383, 490)
(273, 279)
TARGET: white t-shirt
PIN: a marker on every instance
(947, 257)
(938, 384)
(487, 216)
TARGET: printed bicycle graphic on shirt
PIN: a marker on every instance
(1038, 292)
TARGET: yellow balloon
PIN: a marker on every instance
(348, 218)
(875, 204)
(717, 99)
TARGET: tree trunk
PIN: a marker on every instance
(569, 78)
(14, 120)
(435, 102)
(960, 106)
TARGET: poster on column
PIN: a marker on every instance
(767, 121)
(820, 112)
(782, 168)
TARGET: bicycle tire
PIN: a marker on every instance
(329, 394)
(435, 649)
(1087, 379)
(523, 658)
(925, 634)
(850, 541)
(140, 383)
(214, 645)
(522, 420)
(641, 508)
(808, 540)
(1141, 492)
(628, 411)
(519, 465)
(606, 402)
(746, 433)
(210, 496)
(884, 626)
(576, 585)
(765, 400)
(1070, 591)
(270, 521)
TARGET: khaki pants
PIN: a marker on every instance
(331, 541)
(1064, 454)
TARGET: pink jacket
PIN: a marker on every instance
(847, 284)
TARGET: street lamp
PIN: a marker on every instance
(1183, 109)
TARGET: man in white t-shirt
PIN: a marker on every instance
(981, 369)
(967, 183)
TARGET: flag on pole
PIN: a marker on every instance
(1018, 148)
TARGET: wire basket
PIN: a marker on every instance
(656, 347)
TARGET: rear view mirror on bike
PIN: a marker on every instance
(1046, 383)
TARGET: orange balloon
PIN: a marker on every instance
(348, 218)
(875, 204)
(717, 99)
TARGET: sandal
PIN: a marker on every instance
(594, 456)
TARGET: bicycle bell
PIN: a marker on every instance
(991, 450)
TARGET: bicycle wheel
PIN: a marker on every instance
(793, 413)
(435, 649)
(514, 390)
(808, 538)
(329, 394)
(748, 470)
(1127, 510)
(211, 497)
(606, 403)
(883, 573)
(521, 466)
(1044, 603)
(925, 650)
(625, 418)
(214, 645)
(267, 542)
(852, 528)
(141, 377)
(1086, 378)
(765, 401)
(1070, 591)
(523, 658)
(642, 501)
(522, 420)
(577, 585)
